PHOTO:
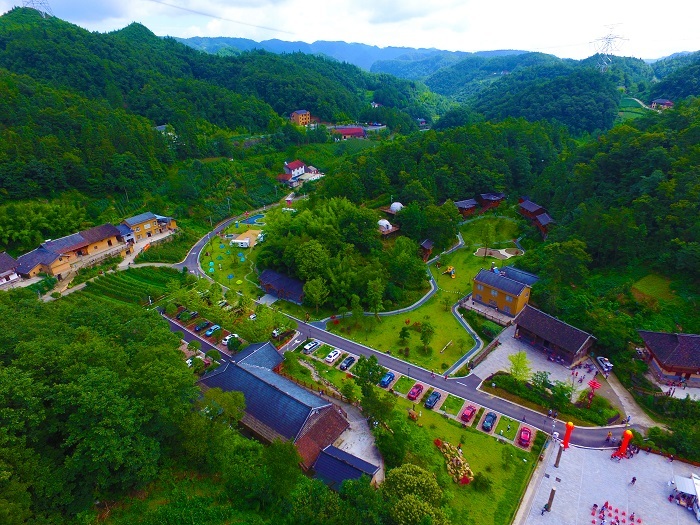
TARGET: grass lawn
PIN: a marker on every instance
(655, 286)
(508, 467)
(383, 335)
(404, 384)
(452, 404)
(504, 230)
(503, 425)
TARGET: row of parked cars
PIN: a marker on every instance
(332, 357)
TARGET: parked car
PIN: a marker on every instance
(226, 339)
(332, 356)
(387, 379)
(252, 317)
(415, 392)
(194, 315)
(347, 363)
(433, 399)
(201, 326)
(222, 303)
(310, 347)
(276, 332)
(211, 331)
(604, 363)
(468, 413)
(489, 421)
(525, 436)
(178, 316)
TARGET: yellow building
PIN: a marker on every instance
(502, 290)
(59, 256)
(301, 117)
(148, 224)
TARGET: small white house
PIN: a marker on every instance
(241, 243)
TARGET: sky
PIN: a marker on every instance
(644, 29)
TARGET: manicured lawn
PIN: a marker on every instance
(404, 384)
(508, 426)
(504, 230)
(451, 340)
(508, 467)
(452, 404)
(655, 286)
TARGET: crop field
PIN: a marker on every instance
(134, 285)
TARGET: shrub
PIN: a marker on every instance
(482, 483)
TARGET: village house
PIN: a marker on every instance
(537, 215)
(300, 117)
(354, 132)
(58, 257)
(147, 224)
(561, 341)
(490, 200)
(466, 207)
(276, 407)
(673, 357)
(501, 291)
(8, 270)
(282, 286)
(334, 466)
(661, 103)
(426, 249)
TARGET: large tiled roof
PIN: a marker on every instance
(499, 282)
(27, 262)
(65, 244)
(552, 329)
(321, 430)
(7, 262)
(124, 230)
(138, 219)
(530, 206)
(544, 219)
(492, 196)
(673, 350)
(301, 111)
(295, 164)
(466, 204)
(520, 275)
(427, 244)
(335, 466)
(285, 287)
(270, 398)
(99, 233)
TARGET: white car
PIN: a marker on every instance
(252, 317)
(333, 356)
(604, 363)
(310, 347)
(226, 339)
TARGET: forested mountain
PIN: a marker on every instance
(582, 99)
(681, 82)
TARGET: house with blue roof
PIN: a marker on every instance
(333, 466)
(276, 407)
(501, 290)
(147, 224)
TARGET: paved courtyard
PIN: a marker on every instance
(588, 476)
(498, 360)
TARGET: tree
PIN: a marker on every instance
(375, 293)
(316, 291)
(409, 479)
(404, 334)
(567, 261)
(540, 381)
(427, 333)
(349, 390)
(194, 345)
(446, 301)
(368, 372)
(486, 235)
(357, 313)
(227, 407)
(561, 394)
(519, 366)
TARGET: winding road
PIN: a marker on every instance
(465, 387)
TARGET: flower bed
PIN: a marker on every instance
(457, 467)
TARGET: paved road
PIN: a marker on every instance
(465, 387)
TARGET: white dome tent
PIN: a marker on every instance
(384, 225)
(395, 207)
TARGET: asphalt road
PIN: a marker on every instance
(467, 388)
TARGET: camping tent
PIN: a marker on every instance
(395, 207)
(384, 225)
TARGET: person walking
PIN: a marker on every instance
(634, 480)
(544, 509)
(608, 437)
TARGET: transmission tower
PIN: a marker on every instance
(40, 5)
(605, 47)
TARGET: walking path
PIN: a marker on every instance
(629, 405)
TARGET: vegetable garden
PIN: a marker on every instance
(134, 285)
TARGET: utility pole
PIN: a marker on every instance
(40, 5)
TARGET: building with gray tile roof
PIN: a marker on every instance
(519, 275)
(673, 357)
(335, 466)
(138, 219)
(500, 282)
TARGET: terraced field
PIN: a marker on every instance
(134, 285)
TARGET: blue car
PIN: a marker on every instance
(489, 421)
(387, 379)
(211, 331)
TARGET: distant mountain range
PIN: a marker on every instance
(361, 55)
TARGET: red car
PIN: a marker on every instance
(468, 413)
(525, 436)
(415, 392)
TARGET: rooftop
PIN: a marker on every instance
(500, 282)
(466, 204)
(7, 262)
(552, 329)
(335, 466)
(520, 275)
(99, 233)
(138, 219)
(530, 206)
(679, 350)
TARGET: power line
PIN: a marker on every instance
(605, 47)
(219, 17)
(40, 5)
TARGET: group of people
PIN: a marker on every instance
(614, 520)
